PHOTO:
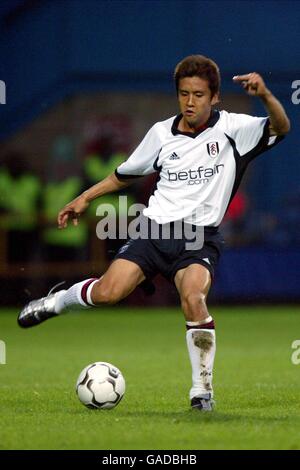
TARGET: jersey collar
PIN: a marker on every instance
(213, 119)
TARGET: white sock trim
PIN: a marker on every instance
(89, 293)
(198, 323)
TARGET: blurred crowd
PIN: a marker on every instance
(30, 200)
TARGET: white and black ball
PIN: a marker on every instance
(100, 385)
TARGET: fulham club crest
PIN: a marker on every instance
(213, 149)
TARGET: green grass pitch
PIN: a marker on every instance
(257, 388)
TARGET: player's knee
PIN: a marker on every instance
(192, 300)
(105, 294)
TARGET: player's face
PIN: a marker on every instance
(195, 101)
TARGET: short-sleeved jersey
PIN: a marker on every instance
(198, 173)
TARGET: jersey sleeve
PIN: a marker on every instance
(143, 160)
(251, 135)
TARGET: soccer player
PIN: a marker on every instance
(200, 157)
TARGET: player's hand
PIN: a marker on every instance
(72, 211)
(253, 83)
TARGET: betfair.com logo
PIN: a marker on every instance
(2, 92)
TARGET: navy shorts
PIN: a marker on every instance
(166, 257)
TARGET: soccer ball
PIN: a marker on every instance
(100, 385)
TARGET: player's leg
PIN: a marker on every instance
(193, 284)
(118, 282)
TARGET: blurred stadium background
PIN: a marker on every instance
(84, 82)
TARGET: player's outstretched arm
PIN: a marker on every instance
(254, 85)
(75, 208)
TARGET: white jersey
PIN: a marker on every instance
(199, 173)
